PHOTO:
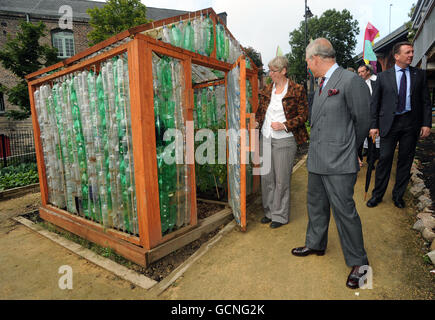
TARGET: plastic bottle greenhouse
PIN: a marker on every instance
(101, 123)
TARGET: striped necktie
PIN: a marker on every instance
(321, 85)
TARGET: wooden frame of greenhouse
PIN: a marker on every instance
(98, 120)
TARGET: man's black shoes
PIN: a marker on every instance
(356, 276)
(373, 202)
(265, 220)
(275, 224)
(305, 251)
(399, 203)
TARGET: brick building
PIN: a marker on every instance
(68, 41)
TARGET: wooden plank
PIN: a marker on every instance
(45, 70)
(189, 106)
(91, 224)
(80, 55)
(19, 191)
(243, 147)
(212, 83)
(144, 142)
(254, 84)
(124, 248)
(223, 203)
(82, 65)
(204, 226)
(226, 136)
(38, 148)
(176, 51)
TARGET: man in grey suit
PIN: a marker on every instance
(339, 123)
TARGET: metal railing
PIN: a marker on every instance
(16, 147)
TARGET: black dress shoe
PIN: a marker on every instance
(373, 202)
(399, 203)
(265, 220)
(305, 251)
(354, 277)
(275, 224)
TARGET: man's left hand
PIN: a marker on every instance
(424, 132)
(278, 126)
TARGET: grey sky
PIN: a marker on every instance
(264, 25)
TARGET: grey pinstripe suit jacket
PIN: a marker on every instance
(339, 124)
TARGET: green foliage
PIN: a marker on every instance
(256, 57)
(210, 176)
(338, 27)
(22, 55)
(116, 16)
(411, 31)
(18, 176)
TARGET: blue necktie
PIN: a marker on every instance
(402, 93)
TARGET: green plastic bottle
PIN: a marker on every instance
(209, 34)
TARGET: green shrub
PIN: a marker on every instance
(18, 176)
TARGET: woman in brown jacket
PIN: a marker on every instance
(281, 118)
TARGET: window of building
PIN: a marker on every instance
(63, 40)
(2, 103)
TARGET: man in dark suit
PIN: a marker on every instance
(366, 73)
(340, 119)
(400, 113)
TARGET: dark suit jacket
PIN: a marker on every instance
(385, 99)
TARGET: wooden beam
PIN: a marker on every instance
(243, 147)
(81, 55)
(212, 83)
(82, 65)
(124, 248)
(204, 226)
(43, 186)
(190, 140)
(254, 102)
(144, 143)
(177, 52)
(94, 225)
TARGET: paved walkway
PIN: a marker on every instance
(252, 265)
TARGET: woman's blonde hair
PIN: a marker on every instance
(279, 63)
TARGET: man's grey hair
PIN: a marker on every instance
(320, 47)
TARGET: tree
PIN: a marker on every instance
(338, 27)
(116, 16)
(411, 31)
(23, 55)
(256, 57)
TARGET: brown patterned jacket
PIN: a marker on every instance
(295, 109)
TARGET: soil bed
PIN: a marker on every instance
(425, 153)
(157, 270)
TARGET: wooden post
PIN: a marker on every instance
(144, 143)
(190, 138)
(254, 84)
(38, 148)
(243, 147)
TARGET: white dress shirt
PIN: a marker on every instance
(275, 113)
(329, 73)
